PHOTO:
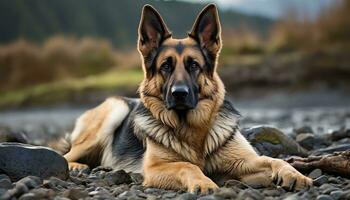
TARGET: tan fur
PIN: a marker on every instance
(93, 132)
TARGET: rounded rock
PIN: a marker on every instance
(22, 160)
(324, 197)
(320, 180)
(315, 173)
(187, 196)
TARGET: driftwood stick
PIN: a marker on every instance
(337, 163)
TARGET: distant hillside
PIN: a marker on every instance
(115, 20)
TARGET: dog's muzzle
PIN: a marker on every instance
(181, 97)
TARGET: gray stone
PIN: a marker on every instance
(53, 182)
(273, 142)
(187, 196)
(306, 140)
(18, 190)
(226, 193)
(327, 188)
(43, 193)
(28, 196)
(60, 198)
(337, 180)
(273, 192)
(310, 141)
(315, 173)
(75, 194)
(345, 195)
(209, 197)
(120, 189)
(324, 197)
(22, 160)
(6, 135)
(31, 181)
(5, 183)
(169, 195)
(304, 129)
(117, 177)
(153, 190)
(2, 191)
(250, 193)
(336, 194)
(296, 196)
(102, 194)
(320, 180)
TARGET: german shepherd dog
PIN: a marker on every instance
(182, 129)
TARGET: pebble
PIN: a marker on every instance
(117, 177)
(153, 190)
(336, 194)
(225, 193)
(169, 195)
(327, 188)
(30, 181)
(273, 192)
(5, 182)
(120, 189)
(75, 194)
(324, 197)
(28, 196)
(315, 173)
(306, 140)
(187, 196)
(53, 182)
(320, 180)
(250, 193)
(303, 129)
(209, 197)
(345, 195)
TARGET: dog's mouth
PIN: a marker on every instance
(180, 106)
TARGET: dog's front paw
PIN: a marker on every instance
(77, 166)
(290, 179)
(202, 186)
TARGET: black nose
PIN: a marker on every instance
(179, 91)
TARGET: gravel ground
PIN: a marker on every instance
(104, 183)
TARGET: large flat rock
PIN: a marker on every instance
(20, 160)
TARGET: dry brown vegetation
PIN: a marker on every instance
(330, 29)
(24, 63)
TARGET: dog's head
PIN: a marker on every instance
(180, 74)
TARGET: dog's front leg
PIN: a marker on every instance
(164, 169)
(239, 159)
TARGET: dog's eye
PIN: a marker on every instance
(194, 66)
(165, 67)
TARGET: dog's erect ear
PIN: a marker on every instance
(207, 30)
(152, 31)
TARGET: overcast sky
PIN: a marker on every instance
(274, 8)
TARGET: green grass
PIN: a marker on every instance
(66, 89)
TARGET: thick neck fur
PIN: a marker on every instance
(194, 136)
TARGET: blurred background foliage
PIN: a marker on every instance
(84, 50)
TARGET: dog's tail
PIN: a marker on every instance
(61, 145)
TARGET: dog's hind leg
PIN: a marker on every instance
(93, 133)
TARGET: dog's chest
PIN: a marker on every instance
(223, 128)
